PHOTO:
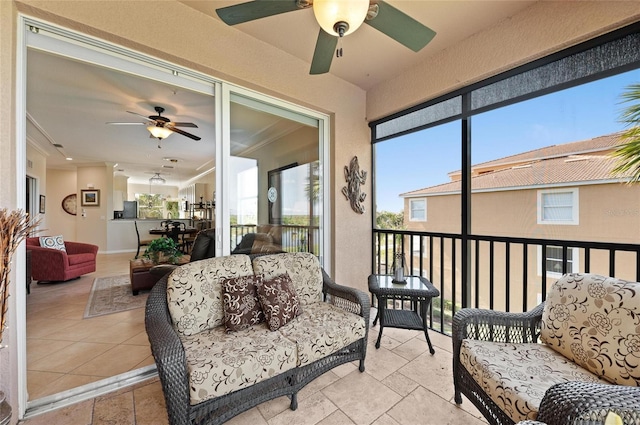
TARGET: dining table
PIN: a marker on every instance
(165, 232)
(184, 244)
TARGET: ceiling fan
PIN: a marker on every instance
(161, 127)
(337, 18)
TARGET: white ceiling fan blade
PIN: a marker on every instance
(140, 115)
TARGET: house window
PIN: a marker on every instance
(558, 206)
(553, 261)
(417, 209)
(150, 205)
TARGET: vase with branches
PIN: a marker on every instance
(15, 226)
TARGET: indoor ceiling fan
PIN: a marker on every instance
(337, 18)
(161, 127)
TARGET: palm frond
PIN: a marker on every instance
(627, 154)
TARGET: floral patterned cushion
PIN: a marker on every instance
(241, 305)
(278, 299)
(323, 329)
(219, 362)
(302, 267)
(194, 292)
(516, 376)
(595, 321)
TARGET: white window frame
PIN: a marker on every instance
(411, 202)
(572, 267)
(575, 206)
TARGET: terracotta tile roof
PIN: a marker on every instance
(597, 144)
(546, 166)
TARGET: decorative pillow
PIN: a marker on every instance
(302, 267)
(53, 242)
(594, 321)
(241, 305)
(279, 300)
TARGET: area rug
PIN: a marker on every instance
(112, 295)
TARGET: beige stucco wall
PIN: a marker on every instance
(60, 183)
(202, 43)
(607, 213)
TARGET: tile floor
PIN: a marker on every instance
(403, 384)
(65, 350)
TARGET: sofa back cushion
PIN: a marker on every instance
(595, 321)
(194, 292)
(302, 267)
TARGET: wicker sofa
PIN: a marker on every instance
(209, 374)
(570, 360)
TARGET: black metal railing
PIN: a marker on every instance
(292, 238)
(499, 273)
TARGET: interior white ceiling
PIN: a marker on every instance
(70, 102)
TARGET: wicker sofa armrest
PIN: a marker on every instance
(347, 298)
(577, 403)
(497, 326)
(168, 353)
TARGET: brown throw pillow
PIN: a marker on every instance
(241, 306)
(279, 300)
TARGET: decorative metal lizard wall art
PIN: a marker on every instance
(355, 178)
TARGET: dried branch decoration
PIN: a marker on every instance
(15, 226)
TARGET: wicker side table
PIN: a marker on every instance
(417, 290)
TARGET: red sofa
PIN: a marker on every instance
(55, 265)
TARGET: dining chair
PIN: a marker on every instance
(176, 231)
(144, 242)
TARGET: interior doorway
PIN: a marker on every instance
(31, 188)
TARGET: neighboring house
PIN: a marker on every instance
(564, 192)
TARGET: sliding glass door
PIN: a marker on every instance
(274, 174)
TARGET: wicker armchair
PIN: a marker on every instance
(569, 403)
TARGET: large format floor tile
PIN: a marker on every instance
(403, 384)
(66, 350)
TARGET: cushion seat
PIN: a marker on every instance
(60, 264)
(219, 363)
(516, 376)
(80, 258)
(323, 329)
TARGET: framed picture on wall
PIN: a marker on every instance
(42, 204)
(90, 197)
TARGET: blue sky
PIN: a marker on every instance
(424, 158)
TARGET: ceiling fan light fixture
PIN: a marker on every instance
(159, 132)
(340, 17)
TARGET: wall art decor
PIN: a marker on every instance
(90, 198)
(355, 179)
